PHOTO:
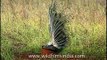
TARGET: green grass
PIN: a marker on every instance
(24, 26)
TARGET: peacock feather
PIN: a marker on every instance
(57, 31)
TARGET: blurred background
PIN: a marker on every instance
(25, 26)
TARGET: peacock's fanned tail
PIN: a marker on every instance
(57, 31)
(58, 35)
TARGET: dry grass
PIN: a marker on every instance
(24, 26)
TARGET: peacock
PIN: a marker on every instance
(57, 30)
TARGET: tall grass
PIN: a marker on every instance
(24, 26)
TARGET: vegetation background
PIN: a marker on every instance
(24, 26)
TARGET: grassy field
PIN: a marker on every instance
(24, 26)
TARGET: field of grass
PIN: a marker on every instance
(24, 26)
